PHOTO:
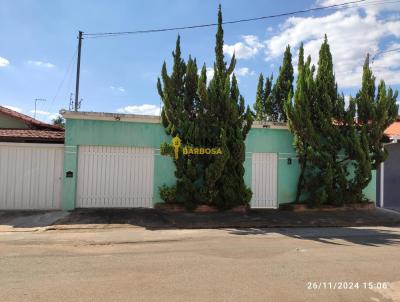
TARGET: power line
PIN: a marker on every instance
(383, 52)
(68, 71)
(113, 34)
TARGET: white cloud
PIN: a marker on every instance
(243, 71)
(145, 109)
(4, 62)
(41, 64)
(246, 49)
(13, 108)
(371, 8)
(45, 115)
(53, 116)
(209, 73)
(352, 33)
(119, 88)
(41, 112)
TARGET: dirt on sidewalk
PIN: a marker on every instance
(156, 219)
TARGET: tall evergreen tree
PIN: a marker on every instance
(371, 114)
(337, 148)
(263, 103)
(327, 179)
(259, 103)
(235, 122)
(179, 116)
(299, 115)
(283, 88)
(202, 114)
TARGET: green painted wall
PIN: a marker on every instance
(117, 133)
(114, 133)
(11, 123)
(275, 141)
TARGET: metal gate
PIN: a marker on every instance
(264, 180)
(30, 176)
(115, 177)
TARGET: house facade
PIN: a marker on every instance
(114, 160)
(21, 128)
(388, 184)
(31, 162)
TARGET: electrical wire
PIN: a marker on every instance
(383, 52)
(341, 5)
(68, 71)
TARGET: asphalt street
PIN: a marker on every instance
(135, 264)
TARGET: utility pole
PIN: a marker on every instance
(78, 70)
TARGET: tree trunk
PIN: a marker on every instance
(300, 183)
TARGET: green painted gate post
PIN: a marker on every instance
(69, 188)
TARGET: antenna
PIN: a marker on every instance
(38, 100)
(71, 102)
(73, 105)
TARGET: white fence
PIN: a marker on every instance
(30, 176)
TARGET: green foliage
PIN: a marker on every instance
(168, 194)
(337, 147)
(283, 88)
(59, 121)
(299, 115)
(263, 103)
(271, 99)
(166, 149)
(201, 114)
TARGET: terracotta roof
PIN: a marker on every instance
(393, 129)
(29, 121)
(31, 135)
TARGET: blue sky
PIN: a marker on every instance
(37, 55)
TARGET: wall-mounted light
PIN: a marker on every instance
(289, 161)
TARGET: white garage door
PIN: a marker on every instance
(30, 176)
(115, 177)
(264, 180)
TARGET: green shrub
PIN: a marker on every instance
(166, 149)
(168, 194)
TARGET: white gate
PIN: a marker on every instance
(30, 176)
(120, 177)
(264, 180)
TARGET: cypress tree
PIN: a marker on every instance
(374, 113)
(235, 122)
(263, 103)
(327, 178)
(337, 147)
(299, 115)
(206, 115)
(259, 103)
(283, 88)
(180, 117)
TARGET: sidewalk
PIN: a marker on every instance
(155, 219)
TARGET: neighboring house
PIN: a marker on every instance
(31, 161)
(388, 177)
(18, 127)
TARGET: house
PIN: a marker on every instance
(18, 127)
(31, 162)
(388, 184)
(114, 160)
